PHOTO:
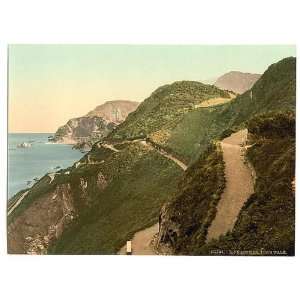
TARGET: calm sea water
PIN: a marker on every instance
(24, 164)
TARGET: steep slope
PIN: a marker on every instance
(237, 82)
(96, 124)
(102, 214)
(184, 222)
(239, 185)
(120, 186)
(158, 117)
(266, 223)
(81, 129)
(96, 205)
(165, 107)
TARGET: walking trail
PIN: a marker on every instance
(111, 147)
(215, 101)
(141, 242)
(182, 165)
(239, 186)
(17, 203)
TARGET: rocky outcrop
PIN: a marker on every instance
(114, 111)
(95, 125)
(81, 129)
(48, 214)
(42, 222)
(237, 82)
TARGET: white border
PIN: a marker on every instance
(132, 21)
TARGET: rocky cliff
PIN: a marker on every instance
(114, 111)
(96, 124)
(237, 82)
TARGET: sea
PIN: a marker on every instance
(27, 164)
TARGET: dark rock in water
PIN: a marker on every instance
(57, 168)
(28, 182)
(24, 145)
(83, 146)
(35, 179)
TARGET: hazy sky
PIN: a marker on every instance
(49, 84)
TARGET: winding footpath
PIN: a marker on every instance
(215, 101)
(239, 186)
(111, 147)
(142, 241)
(17, 203)
(182, 165)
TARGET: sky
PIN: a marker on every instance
(50, 84)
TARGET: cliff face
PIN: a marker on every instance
(96, 124)
(80, 129)
(237, 82)
(114, 111)
(44, 220)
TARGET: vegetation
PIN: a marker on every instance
(191, 212)
(39, 188)
(268, 112)
(266, 222)
(138, 181)
(130, 202)
(169, 119)
(165, 108)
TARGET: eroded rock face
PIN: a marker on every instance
(169, 230)
(101, 181)
(42, 222)
(48, 215)
(97, 124)
(114, 111)
(81, 129)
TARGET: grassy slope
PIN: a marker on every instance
(168, 109)
(192, 211)
(274, 92)
(165, 107)
(267, 220)
(130, 202)
(164, 110)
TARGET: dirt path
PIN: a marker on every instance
(141, 242)
(51, 176)
(182, 165)
(239, 185)
(17, 203)
(215, 101)
(111, 147)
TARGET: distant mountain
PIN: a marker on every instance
(96, 124)
(237, 82)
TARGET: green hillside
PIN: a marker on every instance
(169, 118)
(272, 157)
(266, 224)
(117, 193)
